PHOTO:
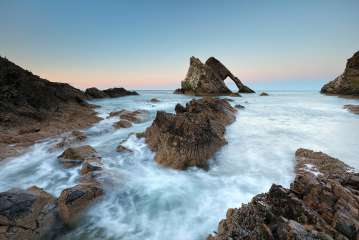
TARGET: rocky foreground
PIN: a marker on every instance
(208, 79)
(32, 108)
(348, 83)
(192, 135)
(321, 203)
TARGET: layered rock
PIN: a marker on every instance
(192, 135)
(348, 82)
(322, 203)
(208, 79)
(27, 214)
(32, 108)
(108, 93)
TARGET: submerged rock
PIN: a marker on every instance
(154, 100)
(192, 135)
(322, 203)
(352, 108)
(120, 148)
(75, 156)
(208, 79)
(264, 94)
(108, 93)
(348, 82)
(75, 200)
(122, 124)
(27, 214)
(239, 106)
(73, 138)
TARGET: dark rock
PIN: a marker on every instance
(192, 135)
(75, 156)
(154, 100)
(137, 116)
(264, 94)
(27, 214)
(120, 148)
(122, 124)
(322, 203)
(208, 79)
(239, 106)
(348, 82)
(75, 200)
(108, 93)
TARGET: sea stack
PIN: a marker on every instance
(208, 79)
(348, 82)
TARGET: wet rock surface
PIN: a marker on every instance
(74, 137)
(27, 214)
(77, 155)
(122, 124)
(264, 94)
(108, 93)
(352, 108)
(348, 82)
(192, 135)
(322, 203)
(137, 116)
(208, 79)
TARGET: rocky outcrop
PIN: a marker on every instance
(77, 155)
(27, 214)
(322, 203)
(75, 200)
(352, 108)
(348, 82)
(208, 79)
(32, 108)
(108, 93)
(192, 135)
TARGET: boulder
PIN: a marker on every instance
(264, 94)
(192, 135)
(75, 200)
(122, 124)
(76, 155)
(208, 79)
(322, 203)
(352, 108)
(348, 82)
(108, 93)
(27, 214)
(73, 138)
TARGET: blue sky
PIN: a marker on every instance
(147, 44)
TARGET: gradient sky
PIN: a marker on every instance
(147, 44)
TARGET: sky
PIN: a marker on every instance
(275, 45)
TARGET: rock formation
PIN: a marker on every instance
(322, 203)
(27, 214)
(348, 82)
(192, 135)
(32, 108)
(208, 79)
(108, 93)
(76, 156)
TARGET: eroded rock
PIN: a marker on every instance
(348, 82)
(208, 79)
(192, 135)
(27, 214)
(322, 203)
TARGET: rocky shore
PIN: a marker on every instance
(321, 203)
(208, 79)
(32, 108)
(192, 135)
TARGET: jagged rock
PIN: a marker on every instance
(120, 148)
(75, 156)
(239, 106)
(348, 82)
(154, 100)
(27, 214)
(264, 94)
(75, 200)
(122, 124)
(322, 203)
(108, 93)
(208, 79)
(74, 137)
(352, 108)
(192, 135)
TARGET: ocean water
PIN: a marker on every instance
(146, 201)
